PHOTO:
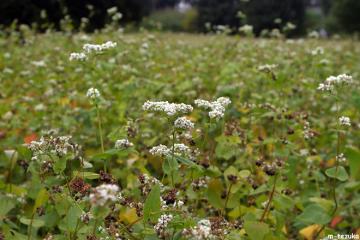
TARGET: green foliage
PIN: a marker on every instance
(152, 204)
(266, 169)
(345, 13)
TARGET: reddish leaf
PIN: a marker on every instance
(2, 134)
(29, 138)
(335, 221)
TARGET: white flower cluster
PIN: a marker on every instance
(200, 183)
(317, 51)
(308, 133)
(341, 158)
(202, 231)
(123, 144)
(246, 29)
(103, 194)
(181, 149)
(52, 145)
(147, 183)
(160, 150)
(217, 107)
(345, 121)
(77, 56)
(267, 67)
(183, 123)
(313, 34)
(162, 223)
(332, 81)
(93, 94)
(169, 108)
(89, 48)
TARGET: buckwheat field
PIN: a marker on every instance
(177, 136)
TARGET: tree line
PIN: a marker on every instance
(261, 14)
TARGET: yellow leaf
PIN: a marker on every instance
(128, 216)
(309, 232)
(64, 101)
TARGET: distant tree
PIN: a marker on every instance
(217, 12)
(159, 4)
(29, 11)
(346, 14)
(326, 6)
(259, 13)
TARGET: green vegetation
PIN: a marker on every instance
(281, 161)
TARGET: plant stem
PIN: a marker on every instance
(12, 163)
(269, 200)
(227, 197)
(100, 133)
(333, 180)
(172, 156)
(30, 225)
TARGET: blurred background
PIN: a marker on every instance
(293, 17)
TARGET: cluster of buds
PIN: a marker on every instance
(79, 187)
(200, 183)
(270, 168)
(146, 183)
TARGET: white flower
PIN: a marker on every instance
(53, 145)
(202, 231)
(160, 150)
(314, 34)
(341, 158)
(93, 94)
(123, 144)
(103, 194)
(267, 67)
(217, 107)
(178, 204)
(203, 103)
(317, 51)
(181, 149)
(162, 223)
(112, 10)
(332, 81)
(246, 29)
(183, 123)
(39, 63)
(77, 56)
(99, 47)
(168, 108)
(345, 121)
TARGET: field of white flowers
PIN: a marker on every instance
(174, 136)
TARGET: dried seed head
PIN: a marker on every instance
(232, 178)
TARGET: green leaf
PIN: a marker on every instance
(312, 214)
(256, 230)
(41, 198)
(170, 165)
(36, 223)
(214, 194)
(244, 173)
(185, 161)
(353, 157)
(152, 204)
(338, 173)
(59, 165)
(86, 175)
(72, 217)
(5, 206)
